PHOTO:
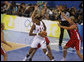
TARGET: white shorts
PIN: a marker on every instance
(39, 40)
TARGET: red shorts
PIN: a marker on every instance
(47, 42)
(2, 51)
(74, 43)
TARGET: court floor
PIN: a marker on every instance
(19, 51)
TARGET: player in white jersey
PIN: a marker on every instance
(38, 27)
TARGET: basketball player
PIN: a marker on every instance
(3, 52)
(75, 39)
(37, 26)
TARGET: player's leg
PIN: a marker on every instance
(50, 51)
(30, 51)
(65, 52)
(79, 54)
(78, 48)
(32, 54)
(4, 54)
(69, 44)
(44, 47)
(48, 54)
(48, 46)
(28, 54)
(33, 46)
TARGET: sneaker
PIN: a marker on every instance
(25, 59)
(53, 60)
(30, 59)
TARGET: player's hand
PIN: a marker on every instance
(42, 35)
(45, 4)
(36, 7)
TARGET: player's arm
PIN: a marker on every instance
(44, 9)
(31, 31)
(33, 14)
(44, 26)
(68, 28)
(67, 19)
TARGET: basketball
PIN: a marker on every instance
(44, 33)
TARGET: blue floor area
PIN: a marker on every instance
(18, 55)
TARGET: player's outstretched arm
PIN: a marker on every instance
(6, 43)
(67, 19)
(68, 28)
(44, 9)
(33, 14)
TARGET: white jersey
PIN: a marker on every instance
(39, 28)
(38, 39)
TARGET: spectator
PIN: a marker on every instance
(7, 7)
(50, 14)
(23, 7)
(29, 9)
(13, 8)
(18, 10)
(3, 6)
(81, 5)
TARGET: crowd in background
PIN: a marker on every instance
(26, 10)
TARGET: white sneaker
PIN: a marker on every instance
(53, 60)
(63, 59)
(25, 59)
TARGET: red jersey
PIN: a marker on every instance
(75, 34)
(75, 39)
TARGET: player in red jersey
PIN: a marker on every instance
(75, 39)
(3, 52)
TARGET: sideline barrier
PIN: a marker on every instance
(23, 24)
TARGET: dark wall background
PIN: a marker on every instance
(54, 3)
